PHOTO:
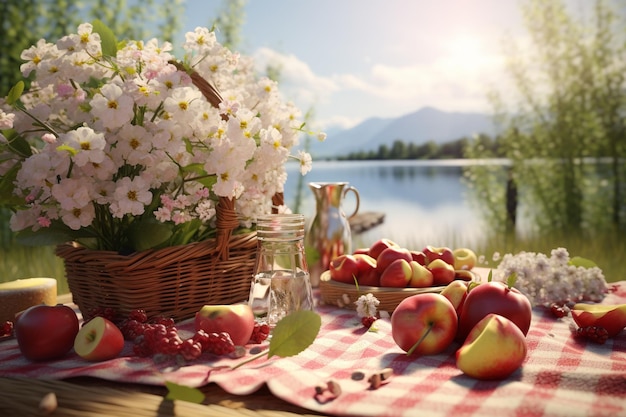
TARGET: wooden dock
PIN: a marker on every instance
(362, 222)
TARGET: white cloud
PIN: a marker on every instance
(457, 81)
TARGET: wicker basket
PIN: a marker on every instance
(344, 295)
(174, 282)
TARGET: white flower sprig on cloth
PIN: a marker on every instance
(114, 146)
(367, 305)
(553, 279)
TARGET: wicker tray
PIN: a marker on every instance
(344, 295)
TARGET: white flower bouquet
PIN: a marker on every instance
(123, 147)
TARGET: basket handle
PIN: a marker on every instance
(226, 220)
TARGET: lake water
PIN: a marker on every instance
(424, 202)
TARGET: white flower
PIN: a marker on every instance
(112, 106)
(6, 120)
(546, 280)
(113, 136)
(366, 305)
(130, 197)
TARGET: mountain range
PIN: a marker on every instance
(419, 127)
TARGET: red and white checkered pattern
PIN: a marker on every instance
(562, 376)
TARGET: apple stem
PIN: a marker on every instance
(250, 359)
(421, 339)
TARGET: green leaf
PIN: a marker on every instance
(15, 93)
(183, 393)
(511, 280)
(148, 233)
(294, 333)
(585, 263)
(17, 143)
(107, 38)
(56, 234)
(490, 276)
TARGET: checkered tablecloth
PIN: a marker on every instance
(562, 375)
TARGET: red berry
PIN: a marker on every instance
(559, 310)
(368, 321)
(190, 349)
(138, 315)
(595, 334)
(6, 329)
(220, 344)
(260, 332)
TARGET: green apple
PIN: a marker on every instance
(464, 258)
(494, 349)
(99, 340)
(235, 319)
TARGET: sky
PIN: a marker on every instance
(350, 60)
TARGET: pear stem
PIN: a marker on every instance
(421, 339)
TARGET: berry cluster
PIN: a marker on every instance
(595, 334)
(6, 329)
(559, 310)
(159, 336)
(260, 332)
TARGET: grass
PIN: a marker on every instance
(607, 251)
(19, 262)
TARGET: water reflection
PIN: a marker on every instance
(424, 202)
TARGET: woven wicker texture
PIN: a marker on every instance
(174, 282)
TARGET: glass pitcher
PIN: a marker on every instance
(328, 234)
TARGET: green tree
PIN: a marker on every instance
(571, 106)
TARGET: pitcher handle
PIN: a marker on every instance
(358, 199)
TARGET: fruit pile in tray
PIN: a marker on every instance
(392, 273)
(387, 264)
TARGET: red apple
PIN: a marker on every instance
(494, 349)
(46, 332)
(398, 274)
(364, 263)
(611, 317)
(421, 277)
(443, 253)
(494, 297)
(456, 292)
(424, 324)
(344, 268)
(419, 257)
(371, 278)
(99, 340)
(443, 272)
(391, 254)
(367, 273)
(380, 245)
(237, 320)
(464, 259)
(361, 251)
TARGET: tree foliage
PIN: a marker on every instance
(571, 109)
